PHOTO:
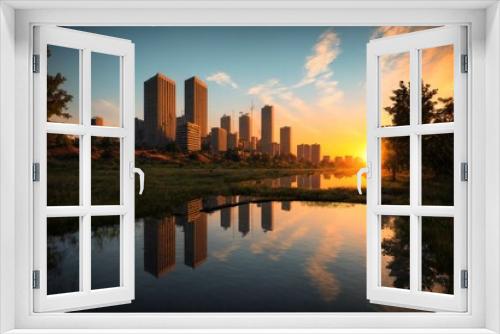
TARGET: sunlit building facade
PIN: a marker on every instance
(196, 103)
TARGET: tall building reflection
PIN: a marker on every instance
(244, 219)
(286, 206)
(194, 223)
(267, 216)
(159, 246)
(225, 217)
(316, 181)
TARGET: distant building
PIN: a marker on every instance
(196, 103)
(286, 140)
(326, 159)
(245, 130)
(307, 153)
(286, 206)
(338, 161)
(139, 132)
(274, 149)
(232, 140)
(300, 152)
(267, 128)
(316, 153)
(218, 140)
(159, 110)
(188, 137)
(225, 123)
(253, 143)
(97, 120)
(267, 216)
(159, 246)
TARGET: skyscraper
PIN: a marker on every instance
(218, 140)
(225, 123)
(188, 137)
(316, 153)
(300, 152)
(245, 128)
(307, 152)
(286, 140)
(267, 128)
(159, 110)
(196, 103)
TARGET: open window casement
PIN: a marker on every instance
(74, 129)
(417, 171)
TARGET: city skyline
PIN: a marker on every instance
(307, 73)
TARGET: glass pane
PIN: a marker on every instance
(105, 171)
(437, 169)
(437, 254)
(159, 245)
(437, 84)
(63, 84)
(63, 170)
(394, 100)
(395, 260)
(105, 90)
(395, 170)
(63, 255)
(105, 247)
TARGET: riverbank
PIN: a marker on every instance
(166, 188)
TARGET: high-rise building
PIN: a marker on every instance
(267, 128)
(316, 153)
(326, 159)
(286, 140)
(275, 149)
(225, 123)
(267, 216)
(218, 140)
(232, 140)
(307, 152)
(253, 143)
(159, 109)
(159, 246)
(188, 137)
(139, 132)
(245, 129)
(300, 152)
(196, 103)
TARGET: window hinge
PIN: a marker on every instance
(36, 279)
(36, 172)
(465, 64)
(464, 279)
(464, 171)
(36, 63)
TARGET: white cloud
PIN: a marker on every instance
(325, 51)
(395, 30)
(223, 79)
(108, 110)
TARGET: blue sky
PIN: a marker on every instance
(313, 75)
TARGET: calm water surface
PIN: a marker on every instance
(256, 257)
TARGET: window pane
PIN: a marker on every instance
(63, 170)
(394, 99)
(437, 169)
(63, 84)
(437, 254)
(437, 84)
(105, 252)
(395, 260)
(105, 171)
(105, 90)
(63, 255)
(395, 170)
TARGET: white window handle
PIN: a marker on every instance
(361, 171)
(133, 171)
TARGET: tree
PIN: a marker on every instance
(57, 97)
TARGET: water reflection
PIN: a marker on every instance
(249, 257)
(313, 181)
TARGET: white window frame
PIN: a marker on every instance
(412, 44)
(85, 44)
(16, 20)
